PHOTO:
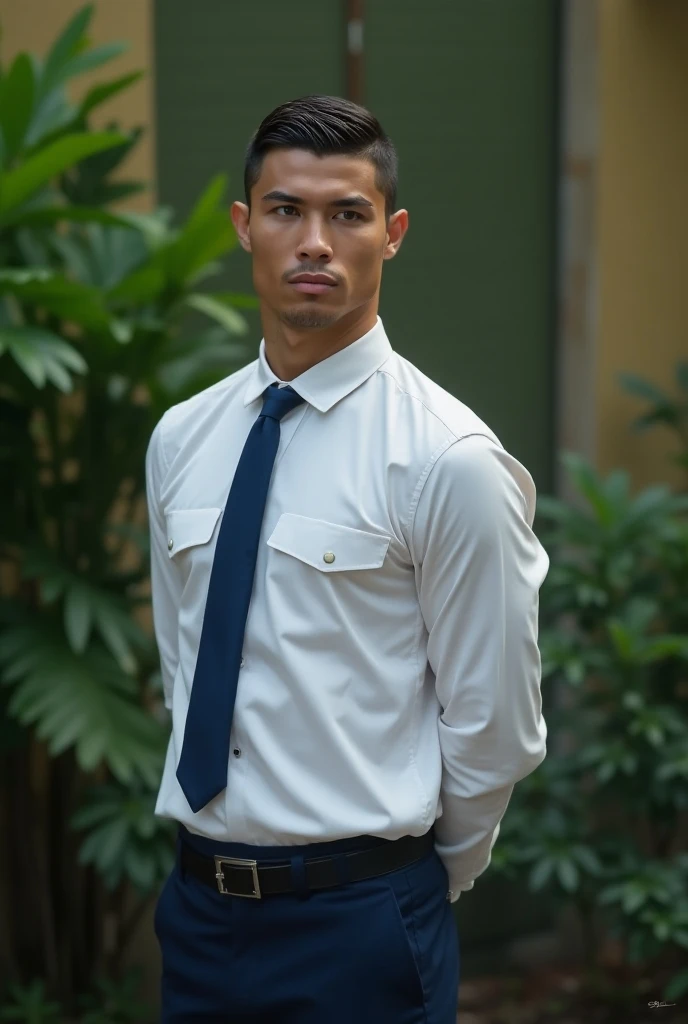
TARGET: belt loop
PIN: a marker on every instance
(298, 874)
(342, 866)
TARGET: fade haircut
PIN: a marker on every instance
(326, 126)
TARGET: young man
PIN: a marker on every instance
(345, 595)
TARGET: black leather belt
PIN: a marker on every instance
(238, 877)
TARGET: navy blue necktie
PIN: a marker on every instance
(203, 766)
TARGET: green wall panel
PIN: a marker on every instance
(221, 66)
(467, 92)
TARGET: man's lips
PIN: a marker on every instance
(311, 287)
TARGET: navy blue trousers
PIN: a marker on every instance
(383, 950)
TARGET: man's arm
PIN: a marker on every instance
(479, 567)
(165, 584)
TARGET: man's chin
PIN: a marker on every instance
(308, 317)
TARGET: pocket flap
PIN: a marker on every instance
(189, 526)
(311, 540)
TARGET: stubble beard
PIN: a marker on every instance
(313, 318)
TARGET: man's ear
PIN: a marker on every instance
(396, 229)
(239, 213)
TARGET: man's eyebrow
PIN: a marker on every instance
(285, 197)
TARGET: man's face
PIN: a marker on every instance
(317, 216)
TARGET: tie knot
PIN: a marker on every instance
(278, 401)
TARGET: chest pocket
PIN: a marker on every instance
(187, 527)
(329, 547)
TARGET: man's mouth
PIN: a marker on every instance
(312, 287)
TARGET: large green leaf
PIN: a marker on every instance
(23, 275)
(682, 375)
(125, 838)
(223, 314)
(208, 202)
(16, 104)
(70, 300)
(88, 608)
(191, 367)
(198, 246)
(140, 287)
(207, 234)
(47, 216)
(239, 299)
(591, 486)
(111, 252)
(99, 255)
(42, 355)
(83, 702)
(154, 226)
(642, 388)
(91, 59)
(106, 90)
(66, 46)
(30, 1004)
(52, 116)
(88, 182)
(17, 185)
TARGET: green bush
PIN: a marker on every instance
(602, 822)
(106, 1003)
(98, 336)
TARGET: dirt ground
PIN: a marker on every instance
(559, 996)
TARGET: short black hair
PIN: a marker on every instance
(325, 125)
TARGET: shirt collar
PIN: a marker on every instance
(330, 379)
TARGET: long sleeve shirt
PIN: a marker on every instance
(390, 677)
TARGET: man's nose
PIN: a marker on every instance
(314, 244)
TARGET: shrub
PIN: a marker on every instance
(604, 816)
(95, 343)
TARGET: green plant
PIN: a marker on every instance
(604, 815)
(114, 1002)
(99, 334)
(664, 410)
(30, 1005)
(107, 1002)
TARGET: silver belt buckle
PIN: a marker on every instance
(253, 864)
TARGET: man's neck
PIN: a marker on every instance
(290, 351)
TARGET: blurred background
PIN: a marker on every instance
(544, 163)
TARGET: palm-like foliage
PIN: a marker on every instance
(96, 308)
(605, 816)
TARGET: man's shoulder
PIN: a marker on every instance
(435, 409)
(204, 403)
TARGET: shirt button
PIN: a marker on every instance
(328, 557)
(236, 752)
(241, 663)
(170, 544)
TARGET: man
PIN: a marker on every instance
(345, 595)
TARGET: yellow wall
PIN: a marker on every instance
(34, 24)
(642, 221)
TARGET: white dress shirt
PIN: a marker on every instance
(390, 674)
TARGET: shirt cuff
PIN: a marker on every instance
(456, 867)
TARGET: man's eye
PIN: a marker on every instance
(352, 214)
